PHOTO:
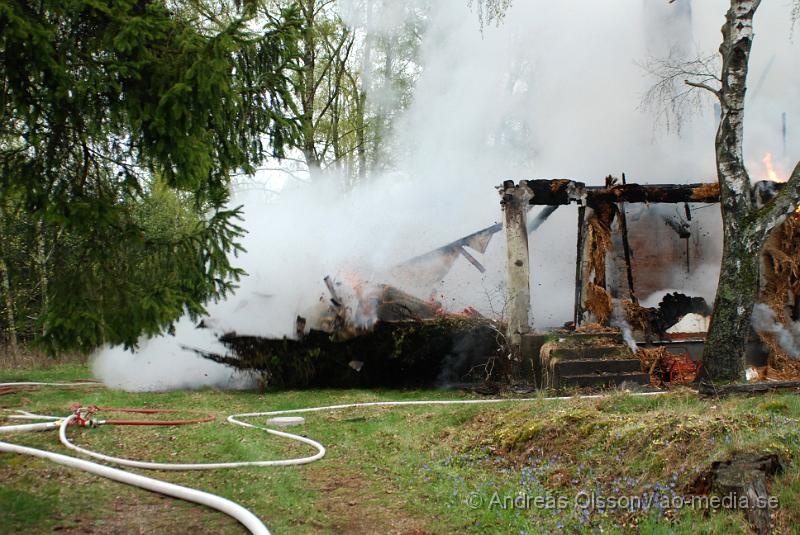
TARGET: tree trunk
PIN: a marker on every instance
(361, 97)
(723, 355)
(361, 136)
(5, 283)
(308, 89)
(41, 265)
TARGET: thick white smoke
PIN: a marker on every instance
(788, 337)
(553, 92)
(618, 320)
(165, 363)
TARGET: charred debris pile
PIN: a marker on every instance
(409, 342)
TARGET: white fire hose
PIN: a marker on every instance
(30, 427)
(242, 515)
(248, 519)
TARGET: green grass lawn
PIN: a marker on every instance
(409, 470)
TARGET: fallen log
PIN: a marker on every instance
(711, 390)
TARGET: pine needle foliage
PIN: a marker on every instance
(121, 122)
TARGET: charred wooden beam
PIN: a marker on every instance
(654, 193)
(626, 246)
(335, 301)
(472, 260)
(579, 266)
(563, 191)
(626, 249)
(553, 192)
(796, 308)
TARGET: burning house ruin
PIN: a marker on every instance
(641, 251)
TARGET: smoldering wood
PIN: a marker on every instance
(672, 307)
(595, 298)
(332, 289)
(780, 286)
(563, 191)
(554, 192)
(393, 305)
(654, 193)
(337, 319)
(390, 355)
(626, 248)
(579, 266)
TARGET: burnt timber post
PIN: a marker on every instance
(515, 203)
(580, 266)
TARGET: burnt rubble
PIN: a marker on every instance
(673, 307)
(427, 353)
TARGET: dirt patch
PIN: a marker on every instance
(353, 504)
(78, 503)
(150, 514)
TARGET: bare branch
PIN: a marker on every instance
(699, 85)
(674, 95)
(795, 14)
(490, 11)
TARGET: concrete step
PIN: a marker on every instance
(591, 366)
(603, 379)
(590, 352)
(595, 338)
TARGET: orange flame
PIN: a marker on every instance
(772, 174)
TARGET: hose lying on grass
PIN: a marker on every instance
(242, 515)
(245, 517)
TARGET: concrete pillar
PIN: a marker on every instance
(515, 208)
